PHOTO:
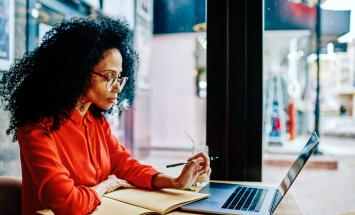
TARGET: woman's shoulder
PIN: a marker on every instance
(43, 126)
(34, 136)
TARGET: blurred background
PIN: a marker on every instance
(308, 83)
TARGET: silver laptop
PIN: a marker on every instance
(244, 199)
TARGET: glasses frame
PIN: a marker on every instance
(120, 80)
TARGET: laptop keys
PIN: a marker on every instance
(249, 199)
(244, 198)
(255, 200)
(230, 199)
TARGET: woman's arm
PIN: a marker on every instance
(123, 165)
(55, 188)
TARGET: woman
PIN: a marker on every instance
(56, 96)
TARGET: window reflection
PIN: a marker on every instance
(172, 80)
(293, 36)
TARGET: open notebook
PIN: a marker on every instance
(141, 201)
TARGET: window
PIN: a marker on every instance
(170, 105)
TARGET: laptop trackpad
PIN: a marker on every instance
(218, 186)
(218, 192)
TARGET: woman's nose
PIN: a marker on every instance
(116, 88)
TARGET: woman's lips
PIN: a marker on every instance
(112, 100)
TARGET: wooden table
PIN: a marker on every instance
(288, 205)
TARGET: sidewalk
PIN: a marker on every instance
(318, 189)
(329, 145)
(338, 126)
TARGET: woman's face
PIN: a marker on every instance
(109, 67)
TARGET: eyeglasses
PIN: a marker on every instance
(112, 80)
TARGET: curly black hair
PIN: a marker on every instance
(48, 82)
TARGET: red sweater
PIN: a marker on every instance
(59, 167)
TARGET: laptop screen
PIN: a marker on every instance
(296, 167)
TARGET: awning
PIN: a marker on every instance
(287, 15)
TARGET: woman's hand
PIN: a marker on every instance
(197, 165)
(110, 184)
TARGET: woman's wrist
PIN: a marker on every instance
(164, 181)
(100, 189)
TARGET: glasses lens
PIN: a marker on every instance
(110, 84)
(123, 82)
(120, 80)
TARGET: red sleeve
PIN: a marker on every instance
(56, 190)
(124, 166)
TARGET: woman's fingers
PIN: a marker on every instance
(112, 177)
(205, 158)
(209, 171)
(200, 154)
(195, 156)
(195, 162)
(114, 183)
(125, 184)
(111, 186)
(192, 167)
(198, 166)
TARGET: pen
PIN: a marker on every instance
(183, 163)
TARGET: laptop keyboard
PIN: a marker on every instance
(245, 198)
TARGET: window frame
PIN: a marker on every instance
(234, 89)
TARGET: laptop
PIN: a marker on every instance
(245, 199)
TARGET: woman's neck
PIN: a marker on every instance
(82, 106)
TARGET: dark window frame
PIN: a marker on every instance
(235, 91)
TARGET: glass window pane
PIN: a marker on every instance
(308, 65)
(170, 105)
(170, 100)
